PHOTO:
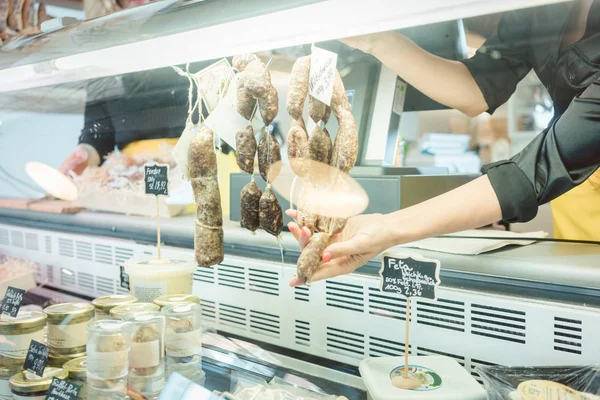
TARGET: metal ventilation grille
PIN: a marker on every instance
(103, 254)
(122, 254)
(105, 286)
(85, 281)
(50, 273)
(209, 309)
(83, 250)
(302, 293)
(302, 333)
(345, 295)
(446, 314)
(122, 290)
(16, 238)
(232, 315)
(48, 241)
(385, 305)
(567, 335)
(345, 343)
(478, 363)
(231, 276)
(65, 248)
(379, 347)
(498, 323)
(67, 277)
(204, 274)
(32, 241)
(264, 323)
(422, 351)
(4, 237)
(266, 282)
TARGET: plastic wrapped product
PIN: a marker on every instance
(103, 305)
(150, 279)
(171, 299)
(66, 327)
(18, 333)
(123, 312)
(26, 385)
(77, 370)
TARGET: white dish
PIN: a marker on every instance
(52, 181)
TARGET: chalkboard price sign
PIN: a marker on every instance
(37, 358)
(12, 301)
(62, 390)
(124, 278)
(156, 178)
(410, 276)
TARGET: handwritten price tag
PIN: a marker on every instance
(37, 358)
(62, 390)
(410, 276)
(12, 301)
(156, 178)
(322, 74)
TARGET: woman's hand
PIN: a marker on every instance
(363, 238)
(77, 161)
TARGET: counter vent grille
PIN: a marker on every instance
(122, 254)
(105, 286)
(478, 363)
(232, 315)
(302, 293)
(231, 276)
(122, 290)
(67, 277)
(209, 309)
(65, 247)
(422, 351)
(346, 343)
(387, 306)
(567, 335)
(345, 295)
(17, 239)
(206, 275)
(266, 282)
(85, 281)
(302, 333)
(446, 314)
(498, 323)
(264, 323)
(32, 241)
(48, 241)
(4, 237)
(50, 273)
(103, 254)
(83, 250)
(379, 347)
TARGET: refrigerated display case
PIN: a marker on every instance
(527, 305)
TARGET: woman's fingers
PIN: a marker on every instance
(293, 214)
(302, 235)
(339, 266)
(357, 245)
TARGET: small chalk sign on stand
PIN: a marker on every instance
(62, 390)
(12, 301)
(37, 358)
(124, 279)
(410, 276)
(156, 178)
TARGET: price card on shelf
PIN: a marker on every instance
(12, 301)
(410, 276)
(322, 74)
(62, 390)
(37, 358)
(156, 178)
(124, 279)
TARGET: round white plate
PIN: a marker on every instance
(52, 181)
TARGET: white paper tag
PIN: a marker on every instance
(147, 292)
(181, 151)
(322, 74)
(67, 336)
(107, 365)
(184, 344)
(214, 81)
(145, 355)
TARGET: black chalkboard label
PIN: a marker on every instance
(410, 276)
(37, 358)
(62, 390)
(156, 177)
(12, 301)
(124, 278)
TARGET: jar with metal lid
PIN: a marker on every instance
(5, 375)
(121, 312)
(169, 299)
(103, 305)
(18, 333)
(26, 385)
(66, 327)
(58, 360)
(109, 344)
(146, 361)
(77, 370)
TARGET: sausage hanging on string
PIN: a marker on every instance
(316, 109)
(310, 258)
(256, 78)
(345, 147)
(249, 206)
(245, 144)
(298, 88)
(269, 157)
(271, 215)
(240, 61)
(269, 106)
(297, 147)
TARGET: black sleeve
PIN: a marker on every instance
(503, 60)
(558, 159)
(98, 130)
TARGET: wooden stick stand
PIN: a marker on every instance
(406, 381)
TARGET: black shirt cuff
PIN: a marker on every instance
(515, 192)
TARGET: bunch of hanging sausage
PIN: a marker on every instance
(20, 17)
(318, 147)
(254, 88)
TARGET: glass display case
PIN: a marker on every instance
(104, 99)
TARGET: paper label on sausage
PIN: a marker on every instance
(184, 344)
(67, 336)
(107, 365)
(16, 346)
(322, 74)
(145, 354)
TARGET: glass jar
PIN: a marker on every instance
(26, 385)
(109, 344)
(169, 299)
(77, 370)
(5, 375)
(18, 333)
(103, 305)
(146, 362)
(66, 327)
(59, 360)
(151, 278)
(126, 310)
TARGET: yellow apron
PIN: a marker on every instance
(225, 163)
(576, 214)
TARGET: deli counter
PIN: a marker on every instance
(523, 310)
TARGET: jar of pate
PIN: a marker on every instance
(18, 333)
(66, 327)
(103, 305)
(26, 385)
